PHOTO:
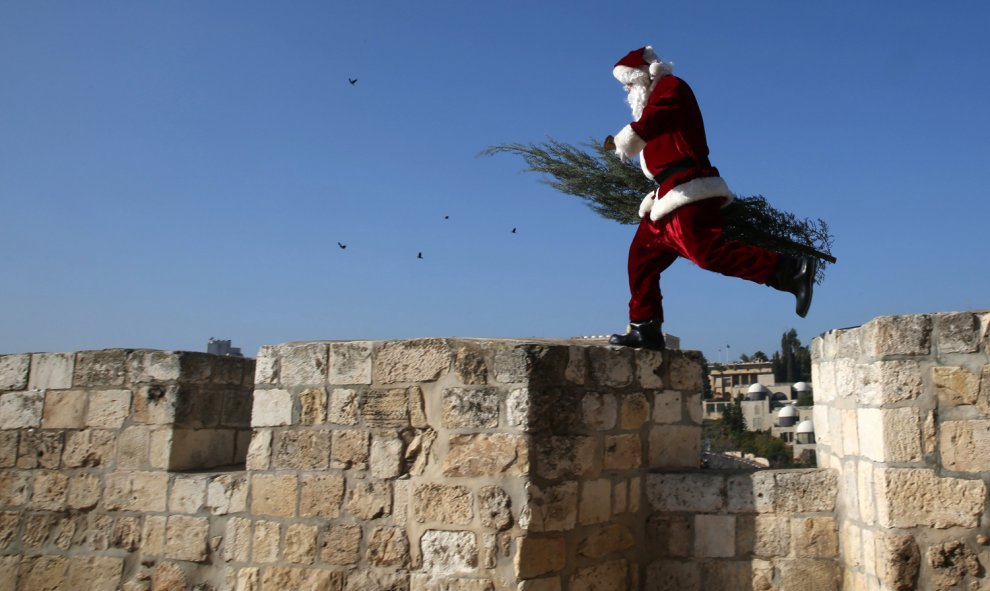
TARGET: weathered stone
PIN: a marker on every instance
(237, 540)
(898, 561)
(727, 574)
(273, 494)
(623, 452)
(486, 454)
(49, 490)
(301, 449)
(388, 546)
(667, 575)
(153, 366)
(227, 493)
(100, 368)
(37, 528)
(715, 536)
(266, 366)
(815, 537)
(188, 494)
(84, 491)
(303, 364)
(386, 458)
(667, 407)
(634, 411)
(898, 335)
(340, 544)
(611, 366)
(344, 407)
(890, 435)
(21, 410)
(418, 360)
(94, 573)
(321, 495)
(386, 409)
(684, 492)
(559, 457)
(186, 538)
(64, 409)
(809, 575)
(674, 446)
(260, 450)
(108, 408)
(805, 491)
(531, 363)
(951, 563)
(649, 369)
(350, 363)
(607, 575)
(15, 487)
(470, 408)
(350, 449)
(8, 448)
(300, 543)
(685, 372)
(605, 539)
(14, 371)
(550, 508)
(9, 522)
(40, 449)
(537, 556)
(51, 371)
(42, 573)
(542, 584)
(443, 504)
(271, 408)
(595, 502)
(955, 386)
(369, 499)
(312, 406)
(277, 577)
(958, 332)
(264, 546)
(201, 448)
(470, 367)
(495, 508)
(449, 552)
(155, 404)
(600, 411)
(912, 497)
(965, 445)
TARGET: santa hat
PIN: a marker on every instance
(640, 63)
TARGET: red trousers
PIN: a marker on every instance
(695, 232)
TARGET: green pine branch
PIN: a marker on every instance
(614, 190)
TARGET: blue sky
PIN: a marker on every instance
(174, 171)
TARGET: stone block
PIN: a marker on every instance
(809, 575)
(634, 411)
(674, 446)
(541, 584)
(600, 411)
(805, 491)
(594, 503)
(202, 448)
(443, 504)
(369, 499)
(649, 369)
(135, 491)
(350, 363)
(273, 494)
(668, 575)
(388, 547)
(386, 459)
(49, 490)
(955, 386)
(227, 493)
(260, 450)
(958, 332)
(685, 372)
(538, 556)
(470, 366)
(8, 448)
(690, 492)
(272, 408)
(42, 573)
(300, 543)
(40, 449)
(108, 408)
(186, 538)
(562, 456)
(890, 435)
(667, 407)
(714, 536)
(21, 410)
(576, 371)
(418, 360)
(188, 494)
(340, 544)
(449, 552)
(153, 366)
(965, 445)
(765, 536)
(613, 574)
(266, 366)
(897, 559)
(728, 575)
(611, 366)
(237, 540)
(95, 573)
(88, 448)
(623, 452)
(100, 368)
(898, 335)
(84, 492)
(344, 407)
(550, 507)
(495, 508)
(486, 454)
(301, 449)
(264, 543)
(313, 406)
(913, 497)
(470, 408)
(64, 409)
(155, 404)
(51, 371)
(14, 371)
(350, 449)
(303, 364)
(321, 495)
(602, 540)
(530, 363)
(15, 487)
(815, 537)
(386, 409)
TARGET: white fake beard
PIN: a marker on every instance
(637, 97)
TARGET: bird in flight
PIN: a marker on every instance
(446, 217)
(342, 246)
(513, 230)
(353, 81)
(419, 256)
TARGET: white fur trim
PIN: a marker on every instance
(698, 189)
(627, 75)
(649, 56)
(628, 143)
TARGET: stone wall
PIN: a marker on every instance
(424, 465)
(902, 414)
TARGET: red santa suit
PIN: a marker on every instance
(682, 217)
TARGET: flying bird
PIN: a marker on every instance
(342, 246)
(446, 217)
(419, 256)
(513, 230)
(353, 81)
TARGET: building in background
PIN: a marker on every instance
(221, 347)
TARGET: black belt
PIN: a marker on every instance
(681, 166)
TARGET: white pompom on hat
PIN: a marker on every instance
(641, 65)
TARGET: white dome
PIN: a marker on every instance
(788, 411)
(757, 389)
(801, 386)
(805, 427)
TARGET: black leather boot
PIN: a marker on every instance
(641, 335)
(796, 275)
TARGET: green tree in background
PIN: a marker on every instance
(792, 363)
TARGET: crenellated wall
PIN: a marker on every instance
(902, 414)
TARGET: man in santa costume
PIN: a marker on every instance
(682, 217)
